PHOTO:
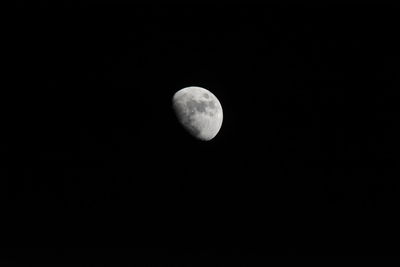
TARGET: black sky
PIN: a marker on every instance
(308, 149)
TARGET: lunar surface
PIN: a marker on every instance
(199, 112)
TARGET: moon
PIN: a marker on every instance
(198, 111)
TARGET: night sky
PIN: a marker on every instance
(305, 165)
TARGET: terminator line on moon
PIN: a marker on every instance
(199, 111)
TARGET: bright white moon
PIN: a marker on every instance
(199, 112)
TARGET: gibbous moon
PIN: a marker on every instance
(199, 112)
